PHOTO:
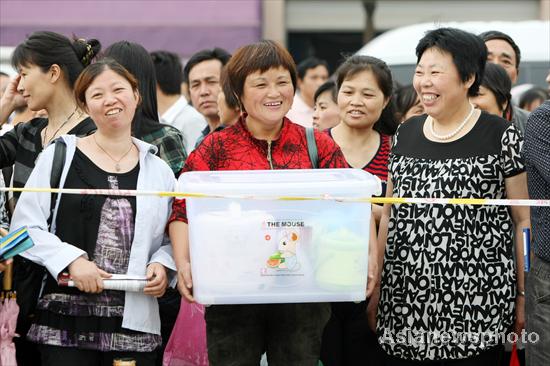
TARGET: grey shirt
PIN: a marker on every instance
(519, 118)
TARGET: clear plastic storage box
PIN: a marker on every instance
(246, 251)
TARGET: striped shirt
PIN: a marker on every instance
(379, 163)
(22, 145)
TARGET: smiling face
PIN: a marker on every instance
(204, 86)
(486, 101)
(267, 97)
(326, 114)
(360, 100)
(438, 84)
(111, 102)
(36, 86)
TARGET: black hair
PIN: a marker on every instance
(530, 95)
(209, 54)
(496, 79)
(45, 49)
(307, 64)
(468, 51)
(91, 72)
(169, 71)
(387, 124)
(494, 34)
(404, 98)
(328, 85)
(138, 62)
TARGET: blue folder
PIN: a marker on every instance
(14, 243)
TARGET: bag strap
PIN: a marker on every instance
(57, 169)
(312, 147)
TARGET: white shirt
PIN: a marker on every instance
(300, 112)
(5, 128)
(187, 119)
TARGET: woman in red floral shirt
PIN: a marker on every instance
(263, 78)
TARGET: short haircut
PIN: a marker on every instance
(531, 95)
(168, 70)
(467, 50)
(45, 49)
(260, 56)
(498, 82)
(309, 63)
(230, 97)
(91, 72)
(404, 99)
(330, 86)
(494, 34)
(356, 64)
(209, 54)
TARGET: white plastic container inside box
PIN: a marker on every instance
(246, 251)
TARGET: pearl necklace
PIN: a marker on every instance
(456, 131)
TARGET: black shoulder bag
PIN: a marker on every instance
(29, 277)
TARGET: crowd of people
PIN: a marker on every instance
(129, 119)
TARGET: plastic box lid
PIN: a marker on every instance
(353, 183)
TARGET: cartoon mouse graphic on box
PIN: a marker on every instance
(285, 256)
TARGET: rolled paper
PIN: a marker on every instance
(116, 282)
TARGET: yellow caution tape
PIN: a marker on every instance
(379, 200)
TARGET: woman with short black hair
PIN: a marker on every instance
(450, 286)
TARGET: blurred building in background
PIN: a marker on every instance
(330, 29)
(327, 29)
(182, 26)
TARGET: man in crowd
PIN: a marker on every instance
(505, 52)
(203, 72)
(172, 105)
(312, 73)
(536, 151)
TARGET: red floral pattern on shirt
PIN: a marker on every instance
(234, 148)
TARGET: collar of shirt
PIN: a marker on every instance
(172, 113)
(301, 106)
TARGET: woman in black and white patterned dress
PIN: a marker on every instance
(449, 281)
